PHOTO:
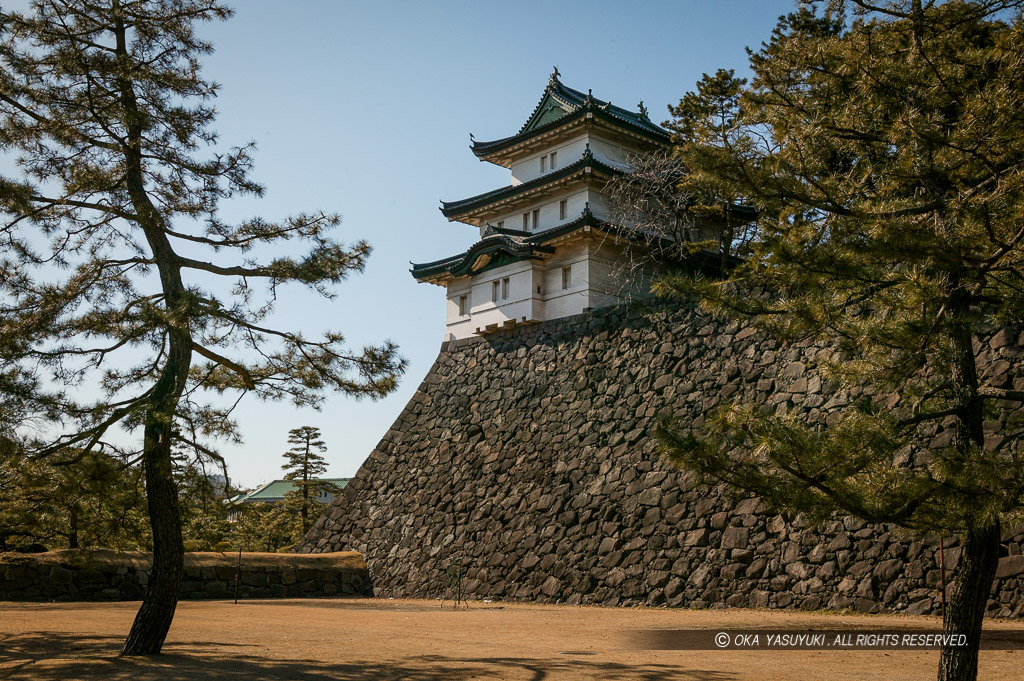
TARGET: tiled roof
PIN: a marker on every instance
(575, 104)
(451, 209)
(277, 489)
(513, 247)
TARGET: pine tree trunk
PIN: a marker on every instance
(73, 534)
(153, 620)
(305, 488)
(972, 584)
(979, 553)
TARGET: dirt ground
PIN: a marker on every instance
(314, 640)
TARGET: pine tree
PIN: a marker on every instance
(262, 526)
(112, 248)
(677, 213)
(70, 501)
(304, 465)
(885, 152)
(707, 125)
(204, 514)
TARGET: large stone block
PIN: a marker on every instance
(1010, 566)
(735, 538)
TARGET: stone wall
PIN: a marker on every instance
(527, 455)
(122, 576)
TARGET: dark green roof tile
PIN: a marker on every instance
(511, 247)
(574, 104)
(451, 209)
(276, 490)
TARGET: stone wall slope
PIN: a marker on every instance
(527, 456)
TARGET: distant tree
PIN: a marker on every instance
(304, 465)
(204, 511)
(71, 501)
(262, 526)
(885, 152)
(110, 250)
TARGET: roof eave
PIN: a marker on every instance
(490, 151)
(503, 151)
(592, 170)
(468, 262)
(440, 272)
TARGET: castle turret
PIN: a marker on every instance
(544, 250)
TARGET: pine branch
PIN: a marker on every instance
(69, 131)
(225, 362)
(51, 202)
(989, 392)
(929, 416)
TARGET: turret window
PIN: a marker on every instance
(563, 208)
(526, 222)
(536, 218)
(548, 161)
(566, 278)
(499, 289)
(463, 305)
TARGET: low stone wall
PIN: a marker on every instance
(527, 455)
(97, 575)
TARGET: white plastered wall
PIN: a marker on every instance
(559, 302)
(522, 304)
(535, 288)
(613, 278)
(549, 217)
(568, 152)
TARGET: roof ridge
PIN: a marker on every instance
(604, 104)
(549, 89)
(575, 101)
(577, 94)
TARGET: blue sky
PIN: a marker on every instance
(365, 109)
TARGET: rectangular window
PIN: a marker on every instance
(563, 208)
(543, 163)
(536, 218)
(495, 290)
(501, 223)
(463, 305)
(504, 288)
(526, 222)
(554, 155)
(566, 277)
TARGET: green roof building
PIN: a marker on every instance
(275, 491)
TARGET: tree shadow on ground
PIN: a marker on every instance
(46, 656)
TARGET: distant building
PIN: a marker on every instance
(547, 248)
(219, 483)
(274, 492)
